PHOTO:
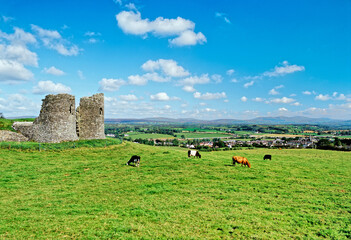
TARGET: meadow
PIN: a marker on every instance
(90, 193)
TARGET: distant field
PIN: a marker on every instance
(89, 193)
(202, 135)
(135, 135)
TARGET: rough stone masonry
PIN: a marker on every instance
(59, 120)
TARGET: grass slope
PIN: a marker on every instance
(91, 193)
(6, 124)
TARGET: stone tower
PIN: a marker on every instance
(90, 117)
(57, 120)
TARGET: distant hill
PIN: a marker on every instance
(259, 120)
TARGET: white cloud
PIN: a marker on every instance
(52, 39)
(137, 80)
(249, 84)
(110, 84)
(306, 93)
(230, 72)
(156, 77)
(283, 70)
(189, 89)
(209, 96)
(282, 109)
(129, 97)
(217, 78)
(210, 110)
(258, 99)
(131, 23)
(234, 80)
(80, 74)
(284, 100)
(54, 71)
(13, 72)
(168, 66)
(322, 97)
(18, 53)
(273, 92)
(92, 34)
(46, 87)
(161, 96)
(223, 16)
(188, 38)
(243, 99)
(296, 104)
(19, 37)
(191, 81)
(7, 19)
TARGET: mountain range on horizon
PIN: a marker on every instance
(258, 120)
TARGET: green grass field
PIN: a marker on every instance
(89, 193)
(203, 135)
(135, 135)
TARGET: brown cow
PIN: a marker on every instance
(242, 160)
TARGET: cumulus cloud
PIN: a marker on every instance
(131, 23)
(217, 78)
(273, 92)
(168, 66)
(249, 84)
(14, 55)
(46, 87)
(284, 100)
(282, 109)
(306, 93)
(54, 71)
(188, 38)
(322, 97)
(110, 84)
(18, 53)
(191, 81)
(230, 72)
(161, 96)
(286, 68)
(243, 99)
(129, 97)
(137, 80)
(189, 89)
(209, 96)
(14, 72)
(258, 99)
(52, 39)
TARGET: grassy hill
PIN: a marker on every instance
(6, 124)
(91, 193)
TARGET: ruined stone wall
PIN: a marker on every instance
(57, 120)
(25, 128)
(8, 136)
(90, 117)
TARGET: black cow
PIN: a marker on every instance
(267, 157)
(134, 159)
(193, 153)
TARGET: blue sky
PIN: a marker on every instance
(198, 59)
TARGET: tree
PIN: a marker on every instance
(2, 115)
(324, 144)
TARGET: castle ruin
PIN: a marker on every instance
(60, 121)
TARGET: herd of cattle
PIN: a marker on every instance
(193, 153)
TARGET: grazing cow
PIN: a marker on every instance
(135, 160)
(267, 156)
(242, 160)
(193, 153)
